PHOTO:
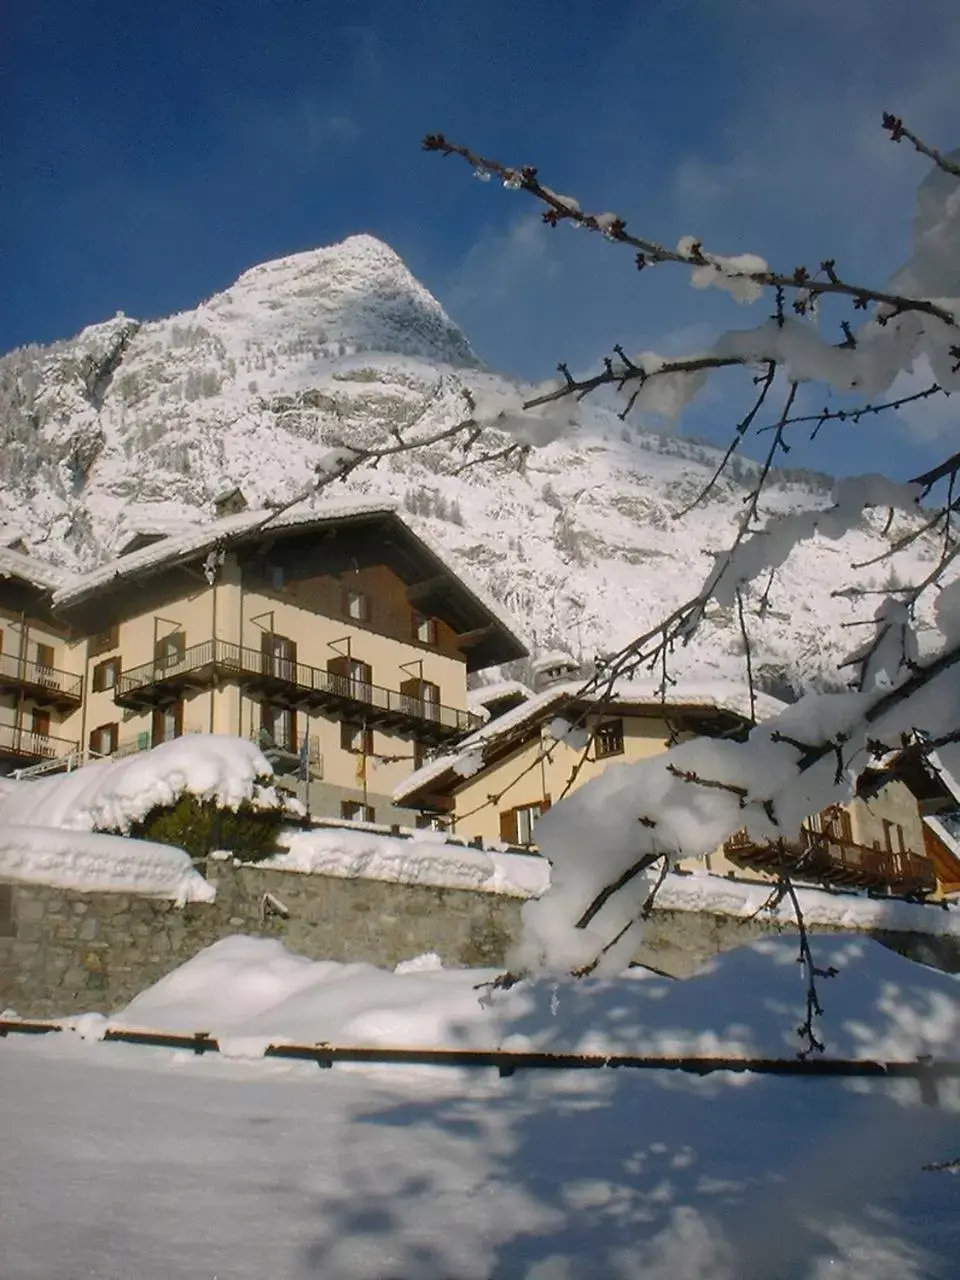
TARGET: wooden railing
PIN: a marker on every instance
(297, 682)
(48, 680)
(818, 855)
(16, 741)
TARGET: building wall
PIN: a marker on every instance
(520, 779)
(20, 636)
(876, 821)
(240, 608)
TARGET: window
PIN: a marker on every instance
(105, 674)
(279, 726)
(40, 723)
(893, 846)
(279, 656)
(277, 577)
(169, 650)
(835, 824)
(352, 678)
(356, 604)
(355, 811)
(608, 739)
(424, 697)
(424, 629)
(103, 641)
(516, 825)
(167, 723)
(45, 655)
(431, 822)
(104, 739)
(356, 738)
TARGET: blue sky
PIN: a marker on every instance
(153, 152)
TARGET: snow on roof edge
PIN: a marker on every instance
(636, 692)
(179, 546)
(39, 573)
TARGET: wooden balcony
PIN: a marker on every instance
(48, 686)
(824, 858)
(286, 683)
(25, 746)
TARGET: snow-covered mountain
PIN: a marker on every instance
(135, 427)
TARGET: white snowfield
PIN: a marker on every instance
(128, 1161)
(747, 1003)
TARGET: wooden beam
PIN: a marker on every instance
(468, 639)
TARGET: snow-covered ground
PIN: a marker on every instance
(123, 1162)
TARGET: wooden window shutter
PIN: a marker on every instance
(410, 688)
(508, 826)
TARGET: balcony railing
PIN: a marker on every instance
(44, 684)
(820, 856)
(24, 744)
(287, 683)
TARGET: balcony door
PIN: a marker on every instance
(279, 656)
(169, 650)
(278, 726)
(167, 723)
(423, 698)
(353, 678)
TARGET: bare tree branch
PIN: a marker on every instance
(613, 227)
(898, 131)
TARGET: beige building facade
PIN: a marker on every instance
(499, 781)
(342, 643)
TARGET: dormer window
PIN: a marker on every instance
(424, 629)
(356, 604)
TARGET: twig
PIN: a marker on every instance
(613, 227)
(898, 131)
(813, 1007)
(749, 658)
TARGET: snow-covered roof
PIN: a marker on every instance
(192, 543)
(487, 693)
(187, 545)
(38, 573)
(710, 696)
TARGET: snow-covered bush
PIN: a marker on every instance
(201, 826)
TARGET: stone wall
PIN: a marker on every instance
(65, 952)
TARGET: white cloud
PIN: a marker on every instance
(931, 420)
(499, 265)
(296, 129)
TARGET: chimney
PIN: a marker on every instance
(229, 502)
(554, 668)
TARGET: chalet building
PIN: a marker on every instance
(894, 837)
(41, 667)
(338, 639)
(508, 757)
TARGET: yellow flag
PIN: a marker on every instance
(361, 766)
